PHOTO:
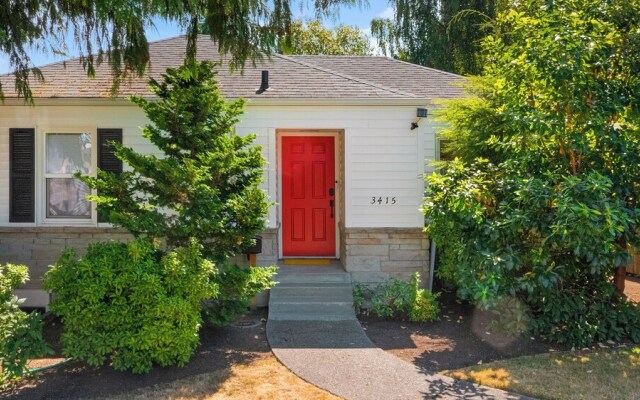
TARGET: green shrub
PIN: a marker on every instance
(237, 287)
(396, 298)
(20, 333)
(542, 200)
(131, 305)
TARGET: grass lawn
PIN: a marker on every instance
(593, 374)
(264, 378)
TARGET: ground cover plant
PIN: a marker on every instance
(539, 207)
(397, 299)
(20, 333)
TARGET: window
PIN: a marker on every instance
(66, 154)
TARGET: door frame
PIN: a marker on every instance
(335, 133)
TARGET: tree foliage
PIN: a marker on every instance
(441, 34)
(543, 199)
(20, 333)
(313, 38)
(115, 30)
(205, 185)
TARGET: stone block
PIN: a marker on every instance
(364, 241)
(50, 235)
(411, 246)
(408, 255)
(401, 266)
(383, 236)
(42, 252)
(369, 277)
(362, 263)
(356, 235)
(368, 250)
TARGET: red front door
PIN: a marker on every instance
(308, 196)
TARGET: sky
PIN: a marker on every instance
(359, 16)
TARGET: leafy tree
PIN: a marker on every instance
(543, 199)
(206, 184)
(313, 38)
(441, 34)
(114, 30)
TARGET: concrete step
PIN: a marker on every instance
(321, 311)
(313, 278)
(313, 285)
(310, 299)
(305, 293)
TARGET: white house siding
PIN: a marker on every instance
(382, 158)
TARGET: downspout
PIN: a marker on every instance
(432, 263)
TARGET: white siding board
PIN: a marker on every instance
(383, 157)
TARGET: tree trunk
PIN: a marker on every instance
(621, 272)
(618, 279)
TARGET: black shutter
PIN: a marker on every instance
(107, 160)
(21, 175)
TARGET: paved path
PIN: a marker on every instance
(314, 335)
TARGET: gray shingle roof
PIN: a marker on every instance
(290, 77)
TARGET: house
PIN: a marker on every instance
(345, 148)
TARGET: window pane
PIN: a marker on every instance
(68, 153)
(66, 197)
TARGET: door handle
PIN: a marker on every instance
(331, 205)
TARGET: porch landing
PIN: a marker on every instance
(313, 330)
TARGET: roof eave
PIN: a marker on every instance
(119, 101)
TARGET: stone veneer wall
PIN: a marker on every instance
(40, 247)
(373, 255)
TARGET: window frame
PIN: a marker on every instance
(42, 176)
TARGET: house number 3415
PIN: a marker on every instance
(382, 200)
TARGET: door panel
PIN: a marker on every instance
(308, 204)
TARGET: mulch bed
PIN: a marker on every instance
(242, 342)
(460, 338)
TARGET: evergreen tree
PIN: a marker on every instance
(205, 185)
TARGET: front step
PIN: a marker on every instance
(304, 292)
(324, 311)
(311, 278)
(310, 296)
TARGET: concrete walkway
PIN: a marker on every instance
(313, 331)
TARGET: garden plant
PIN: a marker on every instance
(541, 203)
(191, 209)
(20, 332)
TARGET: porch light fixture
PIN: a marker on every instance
(420, 113)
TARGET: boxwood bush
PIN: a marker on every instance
(131, 305)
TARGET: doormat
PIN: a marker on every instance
(307, 261)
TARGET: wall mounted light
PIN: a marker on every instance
(420, 113)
